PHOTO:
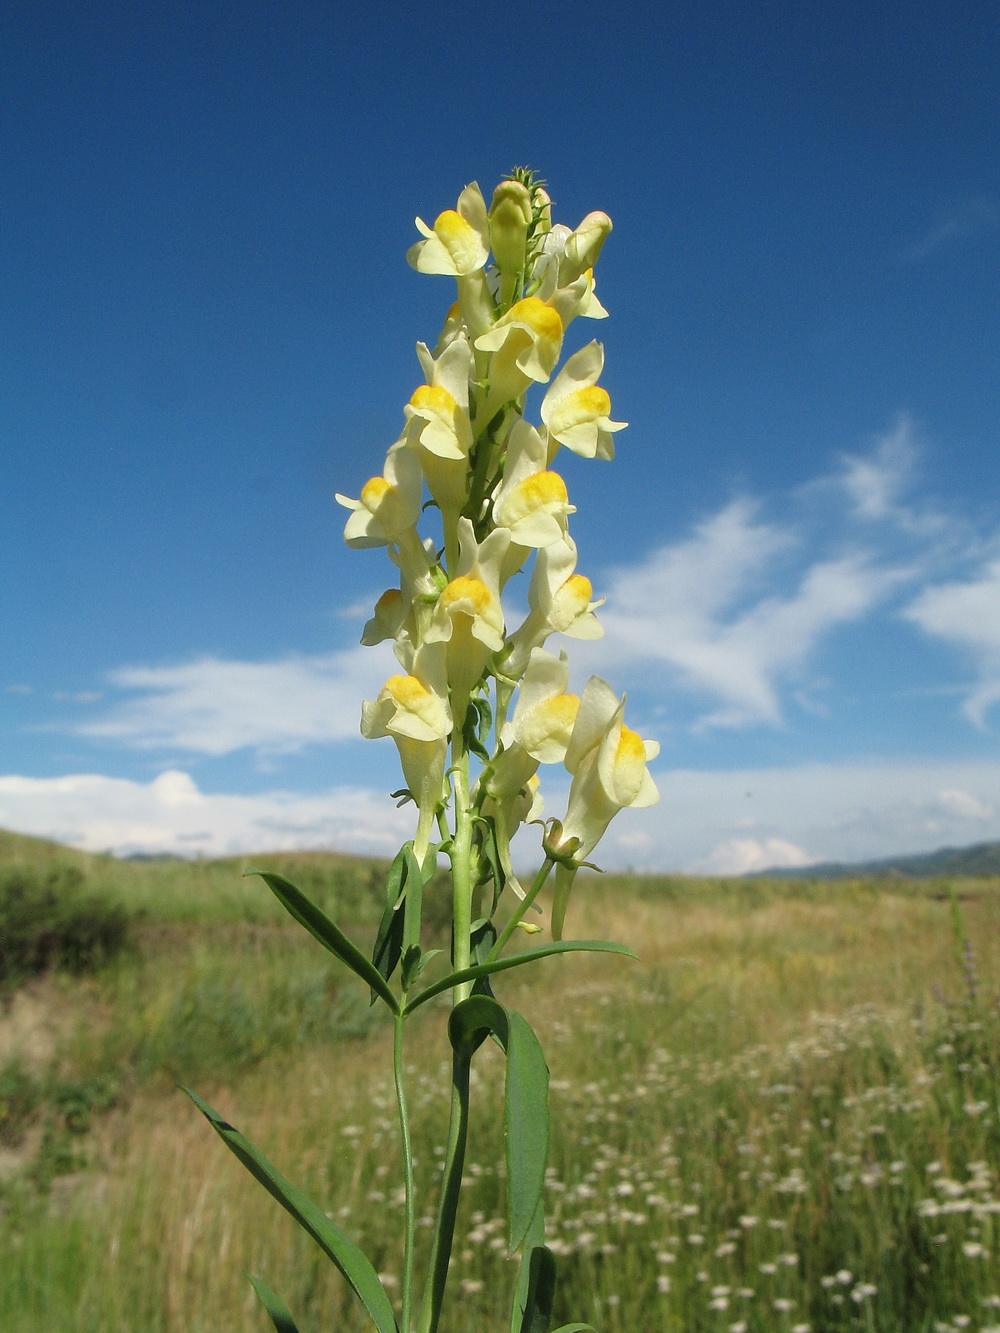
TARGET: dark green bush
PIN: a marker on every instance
(48, 919)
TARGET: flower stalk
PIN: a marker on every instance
(479, 706)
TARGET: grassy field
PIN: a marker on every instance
(783, 1117)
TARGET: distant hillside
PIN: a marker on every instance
(980, 860)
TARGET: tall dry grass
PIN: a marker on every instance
(784, 1116)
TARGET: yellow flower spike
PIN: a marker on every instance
(459, 243)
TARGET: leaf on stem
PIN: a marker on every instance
(335, 1243)
(274, 1305)
(389, 940)
(479, 970)
(489, 856)
(482, 937)
(319, 925)
(541, 1290)
(472, 1021)
(526, 1124)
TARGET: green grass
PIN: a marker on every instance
(785, 1115)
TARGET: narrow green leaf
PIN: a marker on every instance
(335, 1243)
(515, 960)
(541, 1291)
(534, 1238)
(274, 1305)
(484, 708)
(472, 1021)
(389, 938)
(319, 925)
(388, 946)
(470, 734)
(489, 853)
(414, 900)
(482, 938)
(527, 1127)
(575, 1328)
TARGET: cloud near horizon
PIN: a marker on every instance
(712, 823)
(170, 814)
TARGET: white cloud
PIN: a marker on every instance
(876, 481)
(711, 822)
(733, 617)
(215, 706)
(701, 608)
(171, 815)
(742, 856)
(967, 614)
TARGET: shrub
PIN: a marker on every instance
(49, 920)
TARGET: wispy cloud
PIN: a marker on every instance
(214, 706)
(702, 608)
(966, 613)
(971, 217)
(737, 615)
(729, 624)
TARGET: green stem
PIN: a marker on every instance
(451, 1187)
(404, 1130)
(519, 912)
(461, 867)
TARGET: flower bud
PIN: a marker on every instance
(510, 218)
(543, 205)
(583, 247)
(558, 848)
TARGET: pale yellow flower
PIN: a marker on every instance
(389, 505)
(438, 411)
(576, 410)
(459, 243)
(530, 501)
(609, 765)
(560, 603)
(468, 616)
(525, 343)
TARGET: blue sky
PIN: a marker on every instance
(209, 328)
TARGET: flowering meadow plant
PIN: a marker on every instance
(478, 706)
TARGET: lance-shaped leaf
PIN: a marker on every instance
(526, 1125)
(389, 939)
(319, 925)
(479, 970)
(335, 1243)
(274, 1305)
